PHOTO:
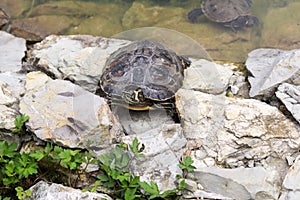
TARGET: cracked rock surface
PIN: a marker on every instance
(242, 148)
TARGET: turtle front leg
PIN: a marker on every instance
(243, 21)
(194, 14)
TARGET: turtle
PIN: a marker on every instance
(143, 75)
(231, 13)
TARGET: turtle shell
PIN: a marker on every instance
(225, 10)
(142, 73)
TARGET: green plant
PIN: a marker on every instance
(20, 122)
(186, 164)
(154, 192)
(16, 167)
(21, 193)
(4, 198)
(116, 176)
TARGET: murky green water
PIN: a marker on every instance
(279, 27)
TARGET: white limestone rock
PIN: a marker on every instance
(270, 67)
(11, 90)
(239, 183)
(66, 113)
(206, 76)
(163, 149)
(12, 50)
(79, 58)
(290, 97)
(53, 191)
(237, 132)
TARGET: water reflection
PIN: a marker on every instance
(278, 28)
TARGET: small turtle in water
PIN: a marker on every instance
(143, 75)
(230, 13)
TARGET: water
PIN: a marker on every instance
(279, 27)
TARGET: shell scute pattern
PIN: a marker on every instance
(143, 74)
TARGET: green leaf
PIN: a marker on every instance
(21, 194)
(186, 164)
(168, 193)
(7, 150)
(151, 189)
(182, 185)
(72, 165)
(134, 181)
(134, 147)
(26, 166)
(130, 193)
(10, 168)
(10, 180)
(56, 151)
(103, 177)
(37, 155)
(19, 123)
(48, 148)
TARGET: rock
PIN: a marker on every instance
(270, 67)
(235, 131)
(291, 195)
(45, 191)
(139, 122)
(290, 97)
(37, 28)
(11, 52)
(292, 179)
(291, 182)
(78, 58)
(163, 149)
(68, 114)
(11, 90)
(239, 183)
(206, 76)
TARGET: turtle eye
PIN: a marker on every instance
(119, 69)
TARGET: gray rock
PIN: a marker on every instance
(290, 97)
(45, 191)
(12, 50)
(68, 114)
(292, 179)
(233, 131)
(222, 186)
(79, 58)
(206, 76)
(139, 122)
(11, 89)
(290, 195)
(239, 183)
(270, 67)
(291, 182)
(163, 149)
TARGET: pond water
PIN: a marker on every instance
(279, 22)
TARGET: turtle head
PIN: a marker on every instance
(251, 21)
(133, 95)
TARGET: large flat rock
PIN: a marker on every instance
(68, 114)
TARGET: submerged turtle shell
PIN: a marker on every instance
(144, 66)
(225, 10)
